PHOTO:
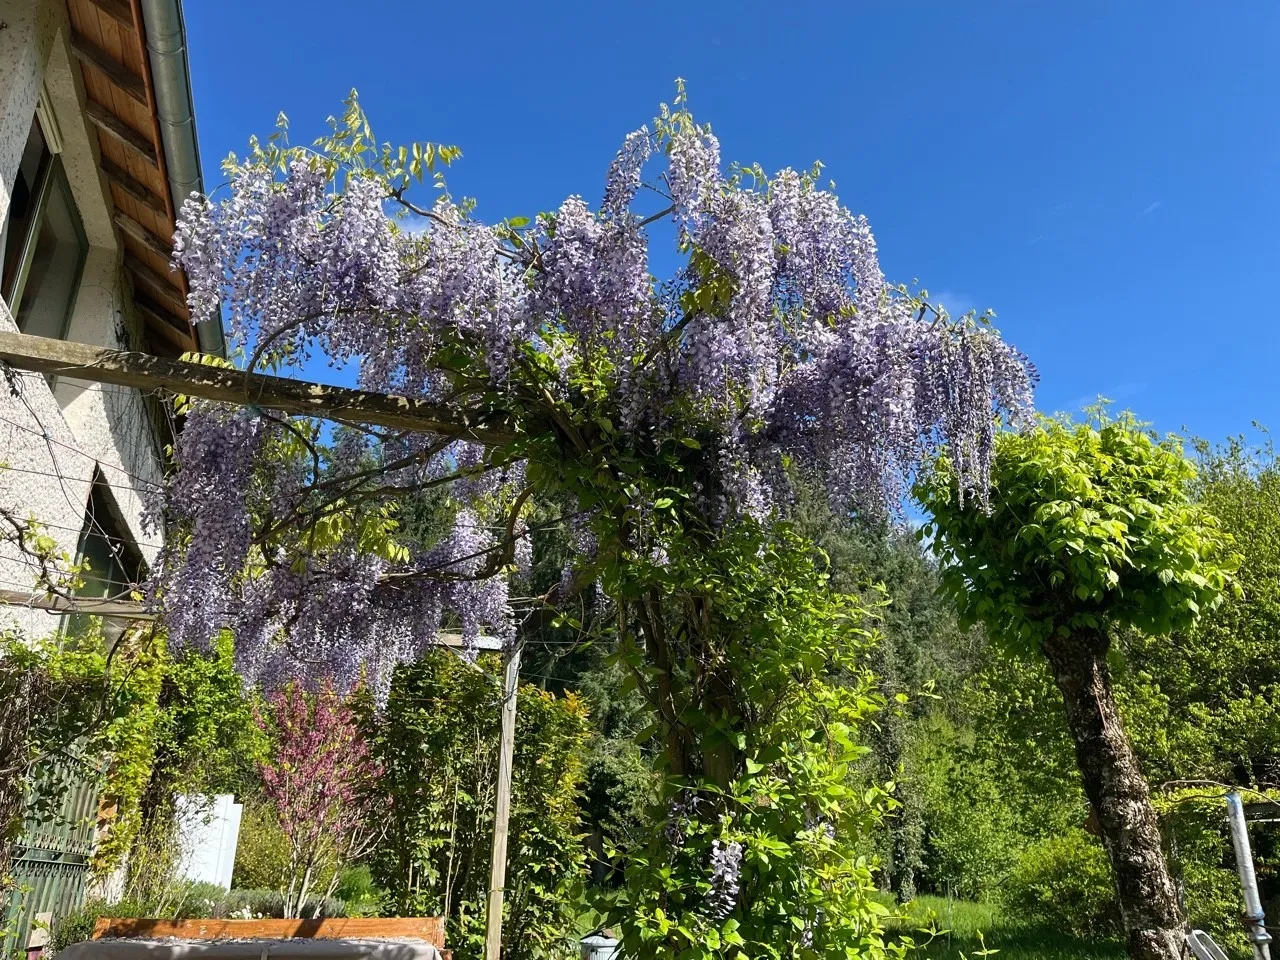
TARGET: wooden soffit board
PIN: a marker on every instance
(109, 44)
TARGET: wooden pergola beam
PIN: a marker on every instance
(131, 187)
(126, 368)
(144, 236)
(50, 603)
(131, 610)
(121, 77)
(113, 126)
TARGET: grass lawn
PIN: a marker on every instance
(1014, 941)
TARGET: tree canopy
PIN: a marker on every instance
(1092, 526)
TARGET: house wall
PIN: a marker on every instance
(54, 437)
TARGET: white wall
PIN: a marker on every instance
(51, 440)
(209, 830)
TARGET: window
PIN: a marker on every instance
(114, 563)
(43, 241)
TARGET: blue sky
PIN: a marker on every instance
(1106, 176)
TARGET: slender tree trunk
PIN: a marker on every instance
(1153, 922)
(679, 750)
(302, 892)
(329, 890)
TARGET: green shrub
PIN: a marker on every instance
(437, 741)
(200, 899)
(1204, 864)
(195, 900)
(1065, 882)
(972, 835)
(247, 904)
(73, 928)
(357, 890)
(262, 854)
(78, 925)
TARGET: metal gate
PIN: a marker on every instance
(51, 864)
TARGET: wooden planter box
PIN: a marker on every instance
(430, 929)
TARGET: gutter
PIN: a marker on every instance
(171, 77)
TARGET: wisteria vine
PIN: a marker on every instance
(779, 340)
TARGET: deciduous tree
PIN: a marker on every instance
(320, 778)
(1091, 529)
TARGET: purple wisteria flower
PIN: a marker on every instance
(777, 341)
(726, 868)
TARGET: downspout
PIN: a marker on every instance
(171, 77)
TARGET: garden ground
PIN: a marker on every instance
(970, 927)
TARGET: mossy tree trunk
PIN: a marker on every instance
(1154, 925)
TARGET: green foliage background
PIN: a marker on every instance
(985, 801)
(437, 740)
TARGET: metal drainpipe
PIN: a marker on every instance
(171, 76)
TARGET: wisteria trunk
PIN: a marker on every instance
(21, 690)
(1154, 925)
(12, 804)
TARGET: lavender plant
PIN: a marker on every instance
(667, 410)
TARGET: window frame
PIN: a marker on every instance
(52, 177)
(110, 528)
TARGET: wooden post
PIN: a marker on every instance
(502, 808)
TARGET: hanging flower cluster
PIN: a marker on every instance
(778, 339)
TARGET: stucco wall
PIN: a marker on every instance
(53, 438)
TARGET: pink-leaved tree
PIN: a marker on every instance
(318, 779)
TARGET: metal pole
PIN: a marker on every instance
(502, 808)
(1253, 916)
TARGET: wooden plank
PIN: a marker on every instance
(158, 224)
(162, 164)
(502, 807)
(152, 312)
(154, 261)
(118, 42)
(157, 283)
(119, 177)
(110, 124)
(141, 169)
(430, 929)
(129, 369)
(166, 326)
(85, 19)
(118, 10)
(144, 236)
(123, 78)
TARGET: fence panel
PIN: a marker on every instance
(51, 864)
